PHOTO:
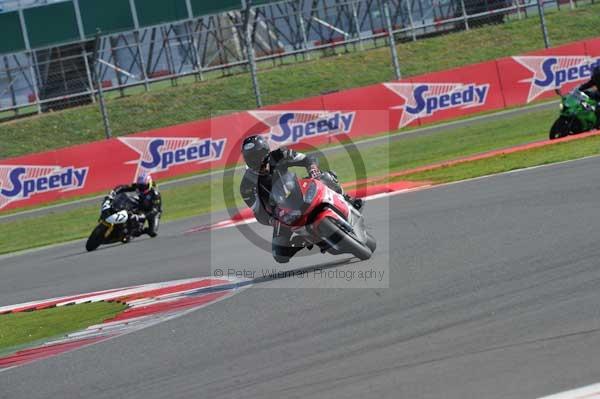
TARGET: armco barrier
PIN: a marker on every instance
(191, 147)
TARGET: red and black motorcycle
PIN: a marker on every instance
(320, 216)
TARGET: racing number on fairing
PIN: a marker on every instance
(120, 218)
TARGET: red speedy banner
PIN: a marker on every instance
(447, 94)
(316, 121)
(537, 75)
(172, 151)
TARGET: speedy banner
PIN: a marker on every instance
(447, 94)
(537, 75)
(100, 166)
(60, 174)
(21, 182)
(288, 127)
(160, 154)
(373, 105)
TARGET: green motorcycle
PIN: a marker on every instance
(577, 114)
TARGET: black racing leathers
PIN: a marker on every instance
(594, 82)
(255, 189)
(256, 186)
(150, 205)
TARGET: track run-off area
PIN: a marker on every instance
(490, 291)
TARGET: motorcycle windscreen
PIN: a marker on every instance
(124, 201)
(286, 197)
(579, 95)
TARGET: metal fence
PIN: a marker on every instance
(70, 75)
(10, 5)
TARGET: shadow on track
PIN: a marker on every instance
(283, 274)
(103, 247)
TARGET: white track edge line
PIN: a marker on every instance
(587, 392)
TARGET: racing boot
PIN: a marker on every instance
(300, 242)
(153, 223)
(150, 232)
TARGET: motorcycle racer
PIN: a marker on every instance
(594, 82)
(257, 182)
(150, 203)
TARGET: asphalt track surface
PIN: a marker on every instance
(428, 130)
(493, 293)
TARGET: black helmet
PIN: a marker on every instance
(255, 150)
(144, 182)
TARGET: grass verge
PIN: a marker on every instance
(196, 199)
(505, 163)
(197, 100)
(18, 329)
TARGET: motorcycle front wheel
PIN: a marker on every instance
(333, 234)
(96, 238)
(564, 126)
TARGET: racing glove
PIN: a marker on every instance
(314, 172)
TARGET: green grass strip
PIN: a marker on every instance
(17, 329)
(504, 163)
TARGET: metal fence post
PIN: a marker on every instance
(196, 53)
(89, 74)
(392, 40)
(411, 21)
(247, 7)
(518, 9)
(34, 81)
(13, 97)
(302, 26)
(138, 46)
(97, 78)
(543, 23)
(357, 24)
(464, 10)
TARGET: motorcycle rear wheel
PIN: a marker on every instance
(345, 242)
(96, 238)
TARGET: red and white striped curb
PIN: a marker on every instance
(147, 305)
